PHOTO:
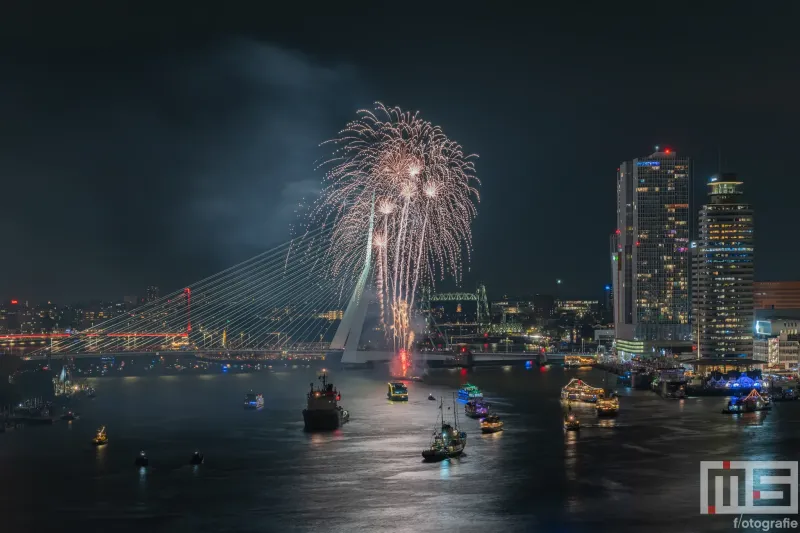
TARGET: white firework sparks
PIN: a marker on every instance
(422, 191)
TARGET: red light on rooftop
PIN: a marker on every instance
(667, 151)
(618, 231)
(637, 243)
(14, 302)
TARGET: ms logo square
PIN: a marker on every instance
(748, 487)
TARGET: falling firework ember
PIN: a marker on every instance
(401, 178)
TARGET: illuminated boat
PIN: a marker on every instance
(142, 460)
(397, 392)
(197, 458)
(469, 392)
(448, 441)
(431, 397)
(491, 424)
(69, 416)
(571, 423)
(323, 412)
(253, 400)
(579, 390)
(608, 406)
(476, 409)
(101, 437)
(751, 403)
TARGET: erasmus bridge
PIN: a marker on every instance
(282, 302)
(394, 215)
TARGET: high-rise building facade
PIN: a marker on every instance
(722, 293)
(650, 255)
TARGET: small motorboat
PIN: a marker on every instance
(431, 397)
(197, 458)
(101, 437)
(69, 416)
(142, 460)
(253, 400)
(90, 393)
(491, 424)
(571, 423)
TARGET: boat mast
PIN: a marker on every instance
(455, 412)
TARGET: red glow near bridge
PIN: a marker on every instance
(24, 336)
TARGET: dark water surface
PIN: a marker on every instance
(263, 473)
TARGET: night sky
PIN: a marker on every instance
(160, 147)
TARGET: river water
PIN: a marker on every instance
(637, 472)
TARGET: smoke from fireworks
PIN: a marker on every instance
(400, 177)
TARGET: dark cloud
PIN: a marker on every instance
(158, 170)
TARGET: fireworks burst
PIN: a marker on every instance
(418, 189)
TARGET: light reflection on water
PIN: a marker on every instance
(264, 472)
(444, 470)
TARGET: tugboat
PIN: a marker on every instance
(491, 424)
(323, 411)
(397, 392)
(469, 392)
(448, 441)
(476, 409)
(197, 458)
(253, 400)
(431, 397)
(101, 437)
(571, 423)
(69, 416)
(142, 460)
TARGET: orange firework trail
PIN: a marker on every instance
(421, 189)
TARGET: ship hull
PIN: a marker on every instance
(440, 455)
(323, 420)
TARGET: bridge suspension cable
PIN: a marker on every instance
(281, 299)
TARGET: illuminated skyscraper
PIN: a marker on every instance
(650, 255)
(722, 293)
